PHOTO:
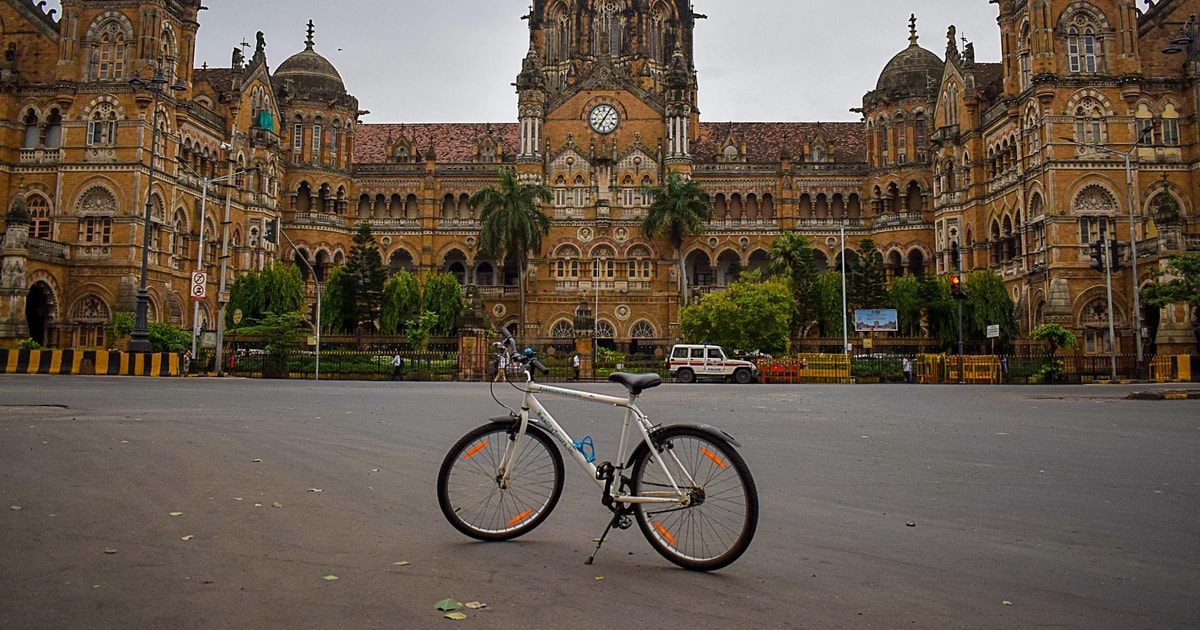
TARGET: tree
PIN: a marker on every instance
(283, 332)
(337, 302)
(941, 312)
(721, 318)
(278, 288)
(905, 295)
(679, 210)
(401, 302)
(989, 304)
(830, 314)
(365, 267)
(513, 224)
(443, 298)
(1184, 286)
(791, 258)
(867, 281)
(1055, 337)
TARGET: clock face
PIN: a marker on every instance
(604, 118)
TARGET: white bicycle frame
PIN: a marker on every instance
(533, 412)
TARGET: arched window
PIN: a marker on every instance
(33, 133)
(1083, 49)
(604, 264)
(39, 210)
(102, 126)
(563, 329)
(1025, 56)
(112, 53)
(1170, 126)
(642, 330)
(1088, 123)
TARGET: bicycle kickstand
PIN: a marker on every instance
(615, 522)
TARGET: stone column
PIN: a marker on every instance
(14, 328)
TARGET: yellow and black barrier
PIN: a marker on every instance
(89, 362)
(805, 368)
(1173, 368)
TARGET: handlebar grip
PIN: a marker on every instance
(541, 368)
(507, 335)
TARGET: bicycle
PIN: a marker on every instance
(690, 492)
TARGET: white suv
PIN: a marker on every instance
(689, 362)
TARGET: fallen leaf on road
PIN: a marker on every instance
(188, 537)
(402, 563)
(315, 490)
(448, 604)
(456, 616)
(599, 577)
(15, 508)
(110, 550)
(175, 514)
(475, 605)
(276, 505)
(330, 578)
(1007, 603)
(256, 461)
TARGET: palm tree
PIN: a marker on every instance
(513, 224)
(679, 210)
(791, 257)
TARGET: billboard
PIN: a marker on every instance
(879, 320)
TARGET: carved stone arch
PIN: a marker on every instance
(1091, 308)
(53, 290)
(1094, 197)
(103, 99)
(98, 199)
(567, 251)
(1080, 12)
(90, 307)
(1086, 96)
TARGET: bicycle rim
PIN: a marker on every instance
(469, 491)
(718, 527)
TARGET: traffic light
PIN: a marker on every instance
(954, 257)
(1117, 249)
(957, 291)
(270, 232)
(1097, 255)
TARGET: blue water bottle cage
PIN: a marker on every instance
(586, 447)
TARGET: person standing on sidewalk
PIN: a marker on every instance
(397, 367)
(575, 365)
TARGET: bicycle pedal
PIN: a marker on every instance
(605, 471)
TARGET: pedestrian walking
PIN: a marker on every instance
(575, 365)
(397, 367)
(906, 366)
(187, 362)
(501, 367)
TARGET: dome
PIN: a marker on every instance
(910, 71)
(311, 74)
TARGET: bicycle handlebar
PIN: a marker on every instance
(538, 364)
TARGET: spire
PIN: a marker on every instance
(912, 30)
(308, 41)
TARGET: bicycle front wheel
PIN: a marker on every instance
(476, 501)
(716, 526)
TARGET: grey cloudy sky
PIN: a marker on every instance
(455, 60)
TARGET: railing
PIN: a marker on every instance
(47, 249)
(829, 222)
(41, 156)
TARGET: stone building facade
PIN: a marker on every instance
(950, 150)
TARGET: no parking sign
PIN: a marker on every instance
(199, 282)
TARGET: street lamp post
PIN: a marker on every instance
(140, 337)
(1133, 252)
(205, 182)
(313, 272)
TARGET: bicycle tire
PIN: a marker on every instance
(717, 528)
(469, 492)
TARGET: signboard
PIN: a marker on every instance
(993, 331)
(199, 284)
(881, 320)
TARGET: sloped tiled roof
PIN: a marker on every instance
(764, 142)
(221, 79)
(989, 79)
(453, 142)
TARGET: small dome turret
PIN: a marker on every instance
(910, 72)
(312, 75)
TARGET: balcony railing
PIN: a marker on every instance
(41, 156)
(43, 248)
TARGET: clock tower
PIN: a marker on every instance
(604, 78)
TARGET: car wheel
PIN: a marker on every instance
(685, 376)
(741, 377)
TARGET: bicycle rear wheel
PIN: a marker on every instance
(469, 488)
(718, 525)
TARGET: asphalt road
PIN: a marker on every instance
(882, 507)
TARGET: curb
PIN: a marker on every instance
(1165, 395)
